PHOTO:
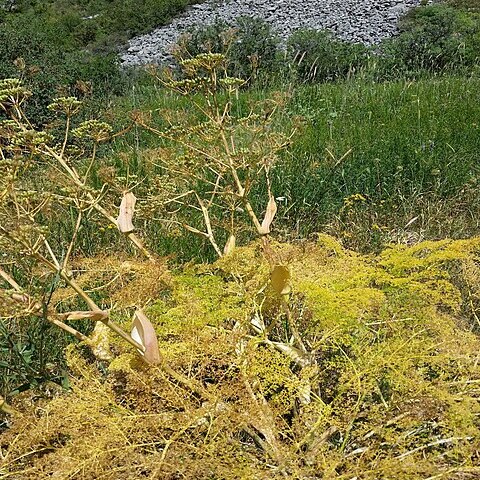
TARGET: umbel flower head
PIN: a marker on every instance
(12, 92)
(205, 61)
(93, 130)
(31, 139)
(67, 105)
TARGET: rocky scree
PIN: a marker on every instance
(358, 21)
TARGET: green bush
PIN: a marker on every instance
(206, 38)
(28, 48)
(434, 38)
(250, 45)
(467, 5)
(318, 56)
(99, 23)
(133, 17)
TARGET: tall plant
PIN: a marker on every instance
(214, 166)
(219, 161)
(41, 175)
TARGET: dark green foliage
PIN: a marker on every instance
(318, 56)
(69, 47)
(251, 46)
(434, 38)
(255, 49)
(208, 38)
(135, 17)
(33, 49)
(467, 5)
(31, 353)
(101, 24)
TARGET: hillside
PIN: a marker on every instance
(261, 262)
(366, 22)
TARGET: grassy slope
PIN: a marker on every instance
(396, 361)
(414, 154)
(96, 24)
(68, 47)
(413, 144)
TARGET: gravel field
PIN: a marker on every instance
(361, 21)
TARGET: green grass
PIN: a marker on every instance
(408, 139)
(414, 153)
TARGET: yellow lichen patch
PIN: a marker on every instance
(368, 369)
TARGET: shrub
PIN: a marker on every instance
(37, 178)
(250, 45)
(64, 42)
(135, 17)
(434, 38)
(48, 177)
(220, 160)
(48, 66)
(99, 22)
(318, 56)
(468, 5)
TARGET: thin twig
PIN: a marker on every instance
(72, 241)
(442, 441)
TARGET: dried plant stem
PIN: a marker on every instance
(78, 290)
(22, 297)
(10, 280)
(94, 307)
(190, 384)
(72, 241)
(441, 441)
(90, 165)
(77, 181)
(65, 138)
(78, 335)
(293, 325)
(208, 225)
(98, 316)
(240, 188)
(264, 423)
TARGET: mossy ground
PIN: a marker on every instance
(390, 389)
